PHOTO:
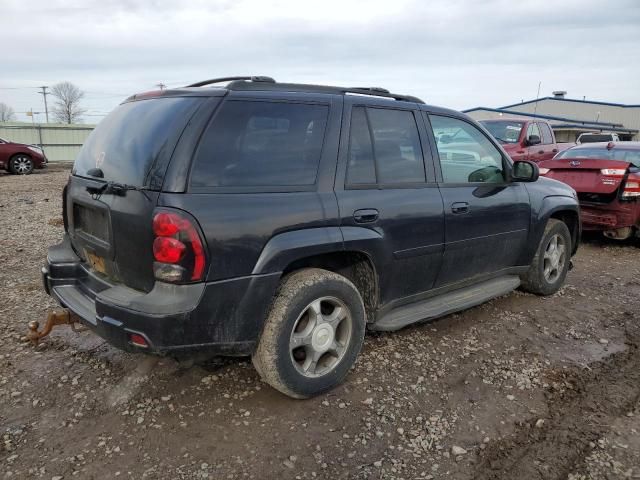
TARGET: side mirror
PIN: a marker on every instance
(525, 171)
(533, 140)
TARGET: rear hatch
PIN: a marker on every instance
(594, 179)
(115, 183)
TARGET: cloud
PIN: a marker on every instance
(450, 52)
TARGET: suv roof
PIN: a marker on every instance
(268, 84)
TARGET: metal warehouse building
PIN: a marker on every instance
(59, 141)
(570, 117)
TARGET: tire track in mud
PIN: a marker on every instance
(577, 416)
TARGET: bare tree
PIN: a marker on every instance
(67, 108)
(6, 113)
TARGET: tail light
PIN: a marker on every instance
(631, 187)
(614, 172)
(178, 248)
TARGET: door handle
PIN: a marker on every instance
(555, 150)
(540, 152)
(460, 207)
(366, 215)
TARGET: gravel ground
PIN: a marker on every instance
(521, 387)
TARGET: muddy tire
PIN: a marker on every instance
(21, 164)
(550, 265)
(313, 334)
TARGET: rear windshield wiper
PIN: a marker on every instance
(115, 188)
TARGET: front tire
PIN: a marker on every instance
(550, 265)
(313, 334)
(21, 164)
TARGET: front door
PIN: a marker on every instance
(486, 217)
(387, 194)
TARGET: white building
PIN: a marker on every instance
(570, 117)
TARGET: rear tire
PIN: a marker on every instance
(550, 265)
(21, 164)
(313, 333)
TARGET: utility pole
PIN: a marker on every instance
(44, 93)
(161, 85)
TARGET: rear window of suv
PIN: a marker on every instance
(261, 144)
(128, 142)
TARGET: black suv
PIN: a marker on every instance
(282, 220)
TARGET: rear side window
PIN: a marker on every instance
(384, 148)
(547, 138)
(261, 144)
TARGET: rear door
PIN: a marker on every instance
(548, 146)
(110, 229)
(486, 217)
(388, 195)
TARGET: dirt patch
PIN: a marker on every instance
(580, 413)
(458, 398)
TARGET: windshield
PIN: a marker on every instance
(505, 131)
(130, 139)
(602, 153)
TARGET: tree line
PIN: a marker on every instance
(67, 107)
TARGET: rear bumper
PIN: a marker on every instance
(217, 318)
(610, 216)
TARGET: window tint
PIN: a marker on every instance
(547, 138)
(361, 169)
(261, 144)
(396, 146)
(466, 154)
(533, 130)
(129, 141)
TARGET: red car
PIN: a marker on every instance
(20, 159)
(606, 177)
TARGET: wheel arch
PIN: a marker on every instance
(356, 266)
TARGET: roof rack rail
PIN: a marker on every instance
(255, 78)
(300, 87)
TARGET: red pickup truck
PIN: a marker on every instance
(531, 140)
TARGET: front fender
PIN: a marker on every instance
(542, 211)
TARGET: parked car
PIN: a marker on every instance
(21, 159)
(281, 220)
(531, 140)
(597, 137)
(607, 179)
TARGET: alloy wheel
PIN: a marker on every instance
(320, 337)
(554, 258)
(22, 164)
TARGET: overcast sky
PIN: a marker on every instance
(453, 53)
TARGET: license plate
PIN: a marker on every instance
(96, 262)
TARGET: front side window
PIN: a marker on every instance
(533, 130)
(384, 148)
(546, 138)
(466, 154)
(266, 144)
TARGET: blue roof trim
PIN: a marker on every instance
(575, 100)
(546, 117)
(615, 129)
